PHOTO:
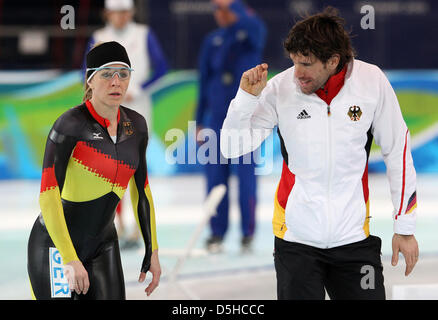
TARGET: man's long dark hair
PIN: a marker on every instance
(323, 35)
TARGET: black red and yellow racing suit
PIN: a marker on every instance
(85, 174)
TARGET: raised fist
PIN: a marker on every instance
(254, 80)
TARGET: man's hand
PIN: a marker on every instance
(254, 80)
(408, 246)
(155, 269)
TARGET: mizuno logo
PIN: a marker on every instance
(97, 135)
(303, 115)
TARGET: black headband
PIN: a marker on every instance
(106, 53)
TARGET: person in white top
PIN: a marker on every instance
(328, 107)
(149, 64)
(148, 60)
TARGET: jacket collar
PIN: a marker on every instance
(332, 86)
(104, 122)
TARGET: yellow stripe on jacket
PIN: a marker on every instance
(53, 215)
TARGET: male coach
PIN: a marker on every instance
(328, 107)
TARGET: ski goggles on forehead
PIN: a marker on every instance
(108, 73)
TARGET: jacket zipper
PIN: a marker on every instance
(117, 166)
(117, 155)
(329, 135)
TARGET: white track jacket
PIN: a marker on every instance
(322, 196)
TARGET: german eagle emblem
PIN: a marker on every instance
(354, 113)
(127, 126)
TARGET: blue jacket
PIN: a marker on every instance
(225, 54)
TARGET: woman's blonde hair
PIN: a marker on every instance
(88, 93)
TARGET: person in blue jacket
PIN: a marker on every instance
(225, 54)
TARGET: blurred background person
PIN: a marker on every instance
(149, 63)
(226, 52)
